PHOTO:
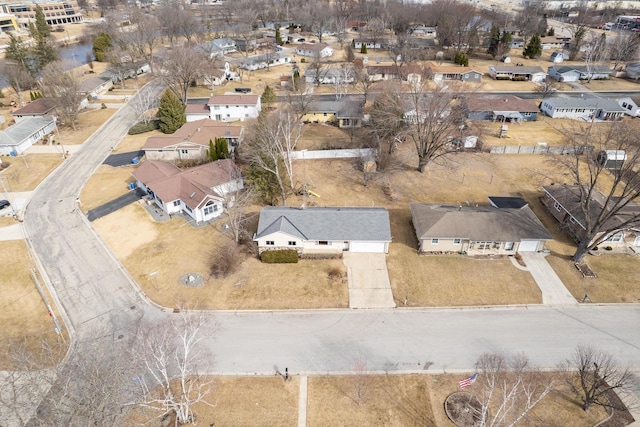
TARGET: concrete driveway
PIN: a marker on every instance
(553, 290)
(368, 277)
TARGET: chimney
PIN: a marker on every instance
(198, 129)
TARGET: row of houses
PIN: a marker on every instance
(504, 226)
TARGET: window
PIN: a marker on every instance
(292, 242)
(527, 114)
(323, 243)
(557, 206)
(483, 245)
(270, 243)
(216, 107)
(208, 210)
(457, 241)
(188, 208)
(572, 220)
(183, 151)
(434, 241)
(176, 203)
(615, 238)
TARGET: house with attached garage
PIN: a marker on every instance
(517, 73)
(225, 108)
(393, 72)
(583, 108)
(346, 113)
(95, 86)
(327, 230)
(564, 203)
(266, 60)
(18, 138)
(573, 73)
(314, 50)
(631, 105)
(343, 75)
(506, 226)
(191, 141)
(197, 192)
(369, 43)
(508, 108)
(41, 107)
(453, 72)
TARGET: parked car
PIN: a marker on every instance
(4, 204)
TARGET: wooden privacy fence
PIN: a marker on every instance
(541, 149)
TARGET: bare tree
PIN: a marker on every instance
(274, 137)
(64, 86)
(142, 104)
(579, 30)
(508, 388)
(430, 118)
(181, 67)
(343, 78)
(547, 88)
(142, 39)
(362, 79)
(602, 216)
(360, 380)
(168, 359)
(624, 47)
(386, 123)
(342, 12)
(599, 374)
(20, 79)
(458, 23)
(319, 66)
(595, 52)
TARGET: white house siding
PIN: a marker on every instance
(369, 247)
(571, 113)
(630, 107)
(195, 117)
(171, 154)
(529, 246)
(443, 245)
(232, 113)
(280, 241)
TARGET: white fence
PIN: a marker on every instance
(539, 149)
(333, 154)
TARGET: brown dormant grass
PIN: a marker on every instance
(23, 315)
(27, 171)
(88, 122)
(105, 184)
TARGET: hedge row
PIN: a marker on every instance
(283, 256)
(142, 127)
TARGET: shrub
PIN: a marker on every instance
(142, 127)
(334, 273)
(608, 248)
(283, 256)
(225, 259)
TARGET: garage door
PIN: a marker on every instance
(377, 247)
(528, 246)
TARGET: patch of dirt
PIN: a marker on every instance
(463, 409)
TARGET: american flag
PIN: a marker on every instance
(468, 381)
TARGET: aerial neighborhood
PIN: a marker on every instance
(253, 212)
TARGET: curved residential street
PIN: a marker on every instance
(103, 305)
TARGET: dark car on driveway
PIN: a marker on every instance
(4, 204)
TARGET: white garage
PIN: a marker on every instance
(529, 246)
(370, 247)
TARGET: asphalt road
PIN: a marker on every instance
(104, 307)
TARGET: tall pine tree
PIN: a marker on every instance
(42, 27)
(171, 112)
(534, 47)
(494, 41)
(222, 148)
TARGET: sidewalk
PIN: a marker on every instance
(11, 232)
(53, 149)
(553, 290)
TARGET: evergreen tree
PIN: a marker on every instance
(506, 41)
(16, 50)
(551, 32)
(212, 154)
(43, 53)
(494, 41)
(353, 43)
(268, 96)
(363, 49)
(222, 148)
(534, 47)
(101, 45)
(296, 79)
(278, 36)
(41, 27)
(171, 112)
(349, 55)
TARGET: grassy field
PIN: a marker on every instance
(23, 314)
(88, 122)
(29, 170)
(105, 184)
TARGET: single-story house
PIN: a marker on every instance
(95, 86)
(313, 50)
(18, 138)
(126, 71)
(507, 108)
(631, 105)
(564, 204)
(369, 43)
(505, 227)
(225, 45)
(632, 70)
(225, 108)
(267, 60)
(517, 72)
(453, 72)
(393, 72)
(41, 107)
(423, 31)
(330, 76)
(418, 43)
(324, 230)
(573, 73)
(191, 141)
(517, 43)
(197, 192)
(246, 45)
(347, 113)
(553, 42)
(584, 108)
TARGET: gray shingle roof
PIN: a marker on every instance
(515, 69)
(478, 223)
(593, 102)
(329, 223)
(581, 69)
(22, 130)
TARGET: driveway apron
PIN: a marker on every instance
(553, 290)
(369, 285)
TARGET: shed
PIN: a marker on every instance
(612, 159)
